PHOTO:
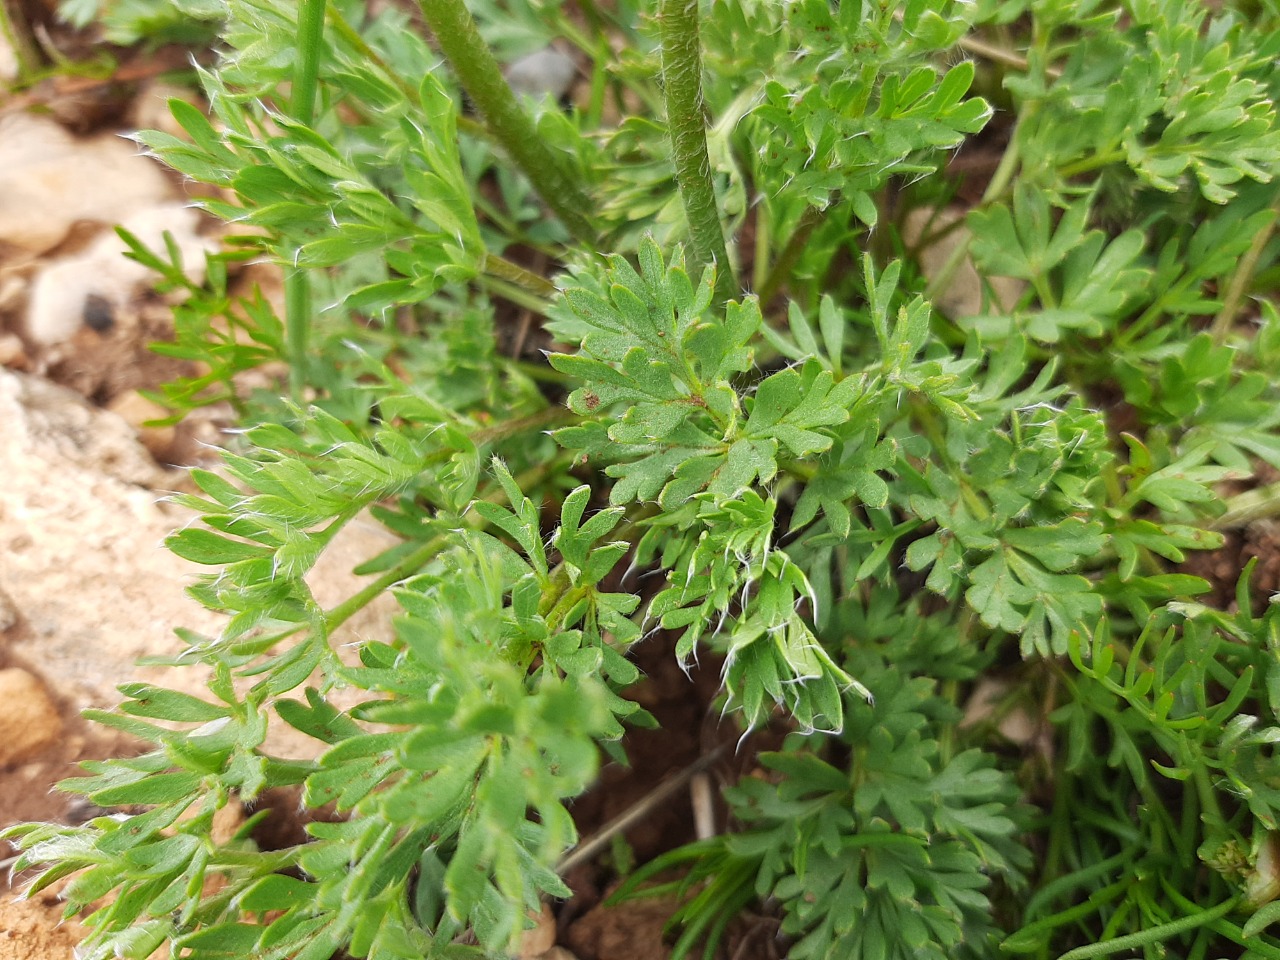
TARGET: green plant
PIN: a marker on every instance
(864, 509)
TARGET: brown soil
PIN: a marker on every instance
(34, 929)
(1222, 567)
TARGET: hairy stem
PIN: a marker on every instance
(297, 288)
(686, 120)
(417, 559)
(1153, 935)
(514, 293)
(406, 568)
(478, 72)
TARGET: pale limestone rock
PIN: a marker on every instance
(12, 352)
(541, 937)
(49, 180)
(34, 929)
(8, 612)
(543, 73)
(138, 411)
(82, 556)
(62, 288)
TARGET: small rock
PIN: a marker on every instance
(12, 353)
(93, 287)
(51, 429)
(964, 295)
(49, 180)
(81, 810)
(227, 821)
(35, 930)
(82, 556)
(541, 937)
(137, 411)
(8, 612)
(545, 73)
(58, 297)
(29, 722)
(98, 314)
(13, 290)
(1016, 724)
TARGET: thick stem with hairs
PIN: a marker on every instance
(478, 72)
(686, 120)
(297, 287)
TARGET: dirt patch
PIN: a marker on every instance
(27, 791)
(1260, 540)
(628, 931)
(34, 929)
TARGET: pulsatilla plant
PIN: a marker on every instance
(682, 323)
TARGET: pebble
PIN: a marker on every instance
(49, 180)
(138, 412)
(8, 612)
(92, 288)
(544, 73)
(30, 721)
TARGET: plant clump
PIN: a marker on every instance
(750, 432)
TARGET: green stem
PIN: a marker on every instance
(413, 562)
(517, 275)
(543, 419)
(1040, 283)
(782, 267)
(478, 72)
(1164, 931)
(687, 123)
(1068, 883)
(997, 54)
(516, 294)
(297, 328)
(541, 373)
(1239, 282)
(1257, 945)
(1210, 812)
(1034, 935)
(1089, 164)
(310, 44)
(297, 292)
(760, 262)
